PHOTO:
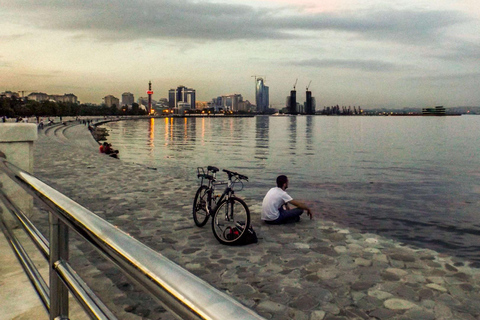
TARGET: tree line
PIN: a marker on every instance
(16, 107)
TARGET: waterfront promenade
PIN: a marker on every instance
(309, 270)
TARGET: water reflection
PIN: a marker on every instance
(293, 136)
(309, 134)
(261, 137)
(151, 137)
(180, 133)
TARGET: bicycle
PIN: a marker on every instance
(230, 214)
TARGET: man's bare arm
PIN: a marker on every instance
(300, 205)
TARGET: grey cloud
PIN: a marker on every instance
(471, 76)
(363, 65)
(184, 19)
(13, 37)
(462, 51)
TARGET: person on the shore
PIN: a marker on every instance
(102, 147)
(114, 154)
(107, 148)
(275, 206)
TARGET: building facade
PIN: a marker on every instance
(127, 99)
(10, 94)
(183, 95)
(111, 100)
(292, 102)
(65, 98)
(261, 95)
(309, 105)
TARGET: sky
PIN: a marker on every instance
(368, 53)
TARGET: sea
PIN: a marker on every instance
(413, 179)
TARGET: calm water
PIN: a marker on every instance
(415, 179)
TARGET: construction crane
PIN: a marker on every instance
(263, 77)
(309, 84)
(295, 84)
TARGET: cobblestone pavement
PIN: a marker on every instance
(308, 270)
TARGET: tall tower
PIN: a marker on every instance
(309, 103)
(261, 95)
(293, 102)
(149, 92)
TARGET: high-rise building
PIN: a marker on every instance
(111, 100)
(231, 102)
(181, 94)
(127, 99)
(309, 103)
(292, 102)
(261, 95)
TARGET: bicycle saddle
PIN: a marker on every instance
(213, 169)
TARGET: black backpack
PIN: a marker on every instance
(249, 236)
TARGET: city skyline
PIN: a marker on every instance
(373, 54)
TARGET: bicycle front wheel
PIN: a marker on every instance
(200, 203)
(230, 220)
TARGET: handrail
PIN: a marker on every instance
(181, 292)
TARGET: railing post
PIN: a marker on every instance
(58, 251)
(16, 143)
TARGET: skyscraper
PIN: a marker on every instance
(127, 99)
(181, 94)
(292, 102)
(261, 95)
(309, 103)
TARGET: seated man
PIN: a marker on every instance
(275, 208)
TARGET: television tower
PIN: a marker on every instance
(149, 92)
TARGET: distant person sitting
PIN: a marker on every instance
(275, 206)
(102, 147)
(114, 154)
(107, 148)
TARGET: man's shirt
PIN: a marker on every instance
(274, 199)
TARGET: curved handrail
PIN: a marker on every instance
(178, 290)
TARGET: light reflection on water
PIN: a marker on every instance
(411, 178)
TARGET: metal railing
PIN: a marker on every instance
(179, 291)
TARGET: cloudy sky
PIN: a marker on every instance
(409, 53)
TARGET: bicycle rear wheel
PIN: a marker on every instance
(230, 220)
(200, 203)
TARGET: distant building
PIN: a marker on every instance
(127, 99)
(261, 95)
(162, 103)
(292, 102)
(111, 100)
(142, 101)
(231, 102)
(38, 96)
(217, 103)
(244, 106)
(200, 105)
(309, 105)
(183, 95)
(437, 111)
(65, 98)
(10, 94)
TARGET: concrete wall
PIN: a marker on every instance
(16, 143)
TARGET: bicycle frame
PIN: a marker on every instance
(211, 185)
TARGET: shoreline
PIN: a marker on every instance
(309, 270)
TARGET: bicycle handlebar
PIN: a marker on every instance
(233, 173)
